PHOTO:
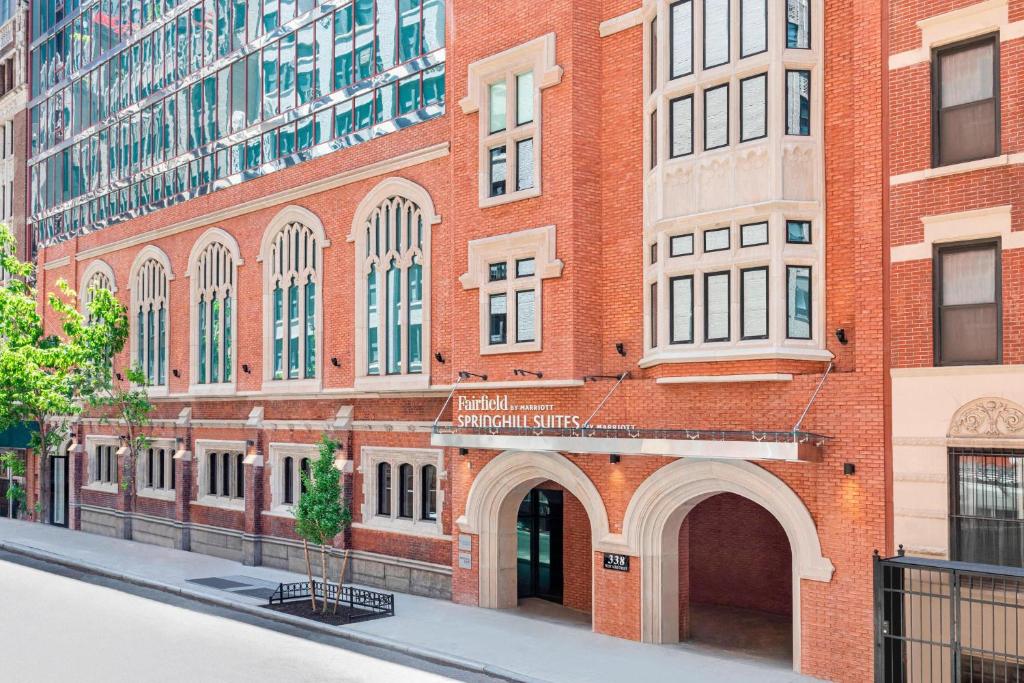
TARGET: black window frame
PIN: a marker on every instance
(491, 163)
(654, 139)
(672, 38)
(704, 35)
(406, 495)
(766, 33)
(936, 94)
(767, 302)
(520, 261)
(726, 229)
(810, 302)
(767, 234)
(384, 490)
(672, 253)
(956, 517)
(728, 123)
(728, 304)
(653, 307)
(672, 311)
(763, 75)
(652, 67)
(810, 113)
(672, 127)
(490, 319)
(533, 332)
(810, 231)
(428, 494)
(938, 250)
(810, 27)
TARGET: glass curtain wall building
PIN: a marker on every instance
(140, 104)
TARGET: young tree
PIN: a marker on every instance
(15, 493)
(320, 514)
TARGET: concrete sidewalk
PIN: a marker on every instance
(509, 644)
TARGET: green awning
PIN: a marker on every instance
(17, 436)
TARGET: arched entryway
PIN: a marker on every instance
(654, 521)
(515, 500)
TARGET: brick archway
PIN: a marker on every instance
(656, 513)
(491, 514)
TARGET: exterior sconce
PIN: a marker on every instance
(176, 372)
(620, 348)
(439, 358)
(849, 468)
(841, 336)
(614, 458)
(335, 362)
(245, 368)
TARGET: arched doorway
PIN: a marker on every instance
(735, 578)
(653, 523)
(515, 503)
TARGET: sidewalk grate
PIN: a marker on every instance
(222, 584)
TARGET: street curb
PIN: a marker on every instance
(426, 654)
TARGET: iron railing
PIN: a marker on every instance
(372, 602)
(941, 621)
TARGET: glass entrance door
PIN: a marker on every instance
(59, 491)
(539, 551)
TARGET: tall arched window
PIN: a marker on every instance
(149, 314)
(289, 483)
(291, 252)
(212, 270)
(384, 489)
(391, 229)
(405, 494)
(98, 275)
(428, 492)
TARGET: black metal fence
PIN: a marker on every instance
(373, 603)
(940, 621)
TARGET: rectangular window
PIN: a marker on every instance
(498, 272)
(716, 117)
(680, 245)
(498, 170)
(524, 98)
(753, 27)
(754, 303)
(654, 139)
(798, 102)
(524, 164)
(716, 32)
(754, 234)
(753, 107)
(968, 300)
(682, 38)
(716, 240)
(526, 316)
(965, 102)
(681, 307)
(798, 232)
(526, 267)
(654, 315)
(654, 54)
(798, 24)
(716, 307)
(497, 107)
(798, 302)
(987, 515)
(681, 126)
(498, 319)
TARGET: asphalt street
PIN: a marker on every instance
(58, 624)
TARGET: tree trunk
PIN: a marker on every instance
(309, 573)
(323, 571)
(341, 581)
(45, 473)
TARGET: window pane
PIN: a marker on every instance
(682, 38)
(278, 326)
(967, 75)
(988, 508)
(387, 27)
(681, 320)
(525, 267)
(798, 103)
(524, 98)
(429, 492)
(384, 489)
(967, 132)
(716, 32)
(716, 117)
(309, 362)
(372, 325)
(681, 245)
(497, 272)
(415, 318)
(498, 316)
(293, 331)
(798, 24)
(753, 27)
(970, 334)
(968, 276)
(798, 302)
(798, 232)
(754, 105)
(497, 106)
(653, 302)
(754, 307)
(394, 319)
(524, 164)
(682, 126)
(498, 171)
(716, 240)
(409, 29)
(525, 316)
(433, 25)
(716, 307)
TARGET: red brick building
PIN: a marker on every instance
(593, 296)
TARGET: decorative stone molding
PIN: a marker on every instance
(991, 221)
(370, 457)
(988, 417)
(959, 24)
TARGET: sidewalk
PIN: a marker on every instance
(503, 643)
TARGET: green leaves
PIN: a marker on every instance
(320, 515)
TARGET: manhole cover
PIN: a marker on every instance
(214, 582)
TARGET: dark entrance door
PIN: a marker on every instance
(59, 491)
(539, 529)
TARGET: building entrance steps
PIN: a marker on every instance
(513, 644)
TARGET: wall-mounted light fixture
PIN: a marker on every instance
(614, 458)
(118, 376)
(176, 372)
(250, 447)
(245, 368)
(620, 348)
(465, 374)
(522, 373)
(849, 468)
(335, 362)
(841, 336)
(463, 451)
(439, 358)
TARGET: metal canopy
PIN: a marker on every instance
(792, 446)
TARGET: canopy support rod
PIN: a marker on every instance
(821, 383)
(600, 405)
(446, 402)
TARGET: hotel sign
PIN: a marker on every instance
(500, 412)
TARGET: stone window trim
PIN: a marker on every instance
(284, 218)
(97, 273)
(369, 459)
(535, 243)
(92, 441)
(145, 255)
(208, 238)
(776, 254)
(537, 55)
(278, 453)
(169, 446)
(203, 447)
(385, 190)
(963, 23)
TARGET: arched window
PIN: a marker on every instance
(428, 492)
(289, 483)
(304, 468)
(212, 470)
(391, 229)
(291, 253)
(212, 270)
(98, 275)
(149, 314)
(239, 475)
(406, 481)
(384, 489)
